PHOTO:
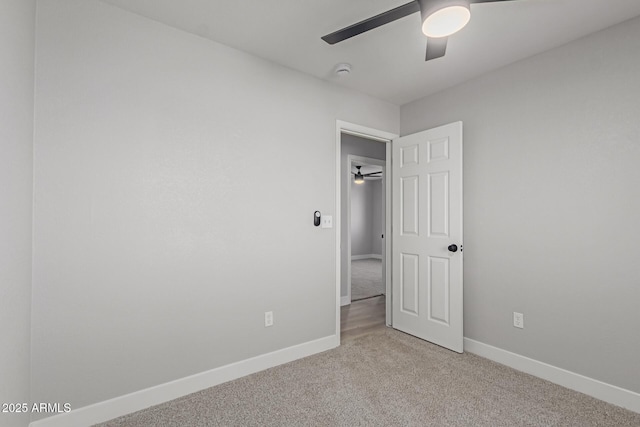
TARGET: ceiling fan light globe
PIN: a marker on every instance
(359, 178)
(447, 20)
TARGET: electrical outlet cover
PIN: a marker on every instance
(327, 221)
(268, 318)
(518, 320)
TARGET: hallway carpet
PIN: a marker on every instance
(366, 278)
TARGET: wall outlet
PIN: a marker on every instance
(327, 221)
(268, 318)
(518, 320)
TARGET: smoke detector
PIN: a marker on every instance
(343, 69)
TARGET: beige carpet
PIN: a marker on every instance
(385, 379)
(366, 278)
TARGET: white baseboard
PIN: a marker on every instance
(589, 386)
(346, 300)
(122, 405)
(357, 257)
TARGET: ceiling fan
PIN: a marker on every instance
(440, 19)
(359, 176)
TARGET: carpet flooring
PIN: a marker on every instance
(366, 278)
(385, 378)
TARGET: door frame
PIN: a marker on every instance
(380, 136)
(368, 161)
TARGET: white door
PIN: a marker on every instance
(427, 235)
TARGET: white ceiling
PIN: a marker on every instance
(388, 62)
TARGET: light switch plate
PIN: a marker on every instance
(327, 221)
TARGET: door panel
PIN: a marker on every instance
(409, 205)
(438, 204)
(427, 214)
(439, 289)
(409, 283)
(409, 155)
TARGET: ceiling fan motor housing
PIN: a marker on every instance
(428, 7)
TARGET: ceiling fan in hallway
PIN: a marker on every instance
(358, 177)
(440, 19)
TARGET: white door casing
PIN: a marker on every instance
(427, 220)
(378, 135)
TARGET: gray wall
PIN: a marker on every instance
(17, 21)
(551, 203)
(361, 218)
(377, 222)
(367, 211)
(360, 147)
(170, 208)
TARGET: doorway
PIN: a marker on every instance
(365, 223)
(382, 142)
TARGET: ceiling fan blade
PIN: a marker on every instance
(436, 48)
(371, 174)
(371, 23)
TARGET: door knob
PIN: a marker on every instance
(453, 248)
